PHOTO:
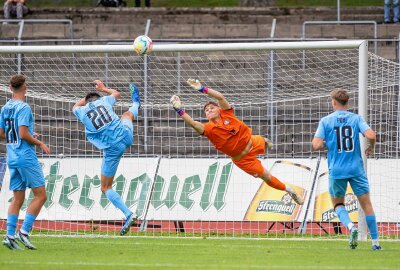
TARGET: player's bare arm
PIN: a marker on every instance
(2, 135)
(26, 136)
(318, 144)
(102, 88)
(371, 137)
(177, 105)
(223, 103)
(80, 103)
(199, 127)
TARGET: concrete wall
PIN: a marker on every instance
(245, 22)
(197, 23)
(206, 22)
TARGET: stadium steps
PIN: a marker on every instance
(99, 23)
(127, 23)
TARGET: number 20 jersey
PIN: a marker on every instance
(340, 130)
(16, 113)
(102, 126)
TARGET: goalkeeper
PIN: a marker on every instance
(231, 136)
(107, 132)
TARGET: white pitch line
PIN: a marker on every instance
(205, 243)
(202, 237)
(190, 266)
(43, 236)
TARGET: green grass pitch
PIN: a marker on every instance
(197, 253)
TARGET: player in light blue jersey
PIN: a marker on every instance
(105, 130)
(339, 132)
(16, 126)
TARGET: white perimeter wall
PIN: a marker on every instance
(227, 197)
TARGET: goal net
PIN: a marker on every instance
(173, 179)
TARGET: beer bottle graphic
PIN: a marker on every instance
(270, 204)
(323, 210)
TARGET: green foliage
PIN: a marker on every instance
(195, 3)
(206, 3)
(131, 3)
(61, 3)
(327, 3)
(201, 253)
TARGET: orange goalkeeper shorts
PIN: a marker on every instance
(249, 163)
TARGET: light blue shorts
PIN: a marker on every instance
(359, 184)
(112, 155)
(29, 177)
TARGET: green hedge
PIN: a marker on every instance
(206, 3)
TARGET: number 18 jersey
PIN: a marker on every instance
(340, 130)
(102, 126)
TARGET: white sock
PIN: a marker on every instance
(23, 231)
(289, 189)
(375, 242)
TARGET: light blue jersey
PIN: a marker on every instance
(103, 127)
(340, 130)
(14, 114)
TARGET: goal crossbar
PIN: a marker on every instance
(347, 44)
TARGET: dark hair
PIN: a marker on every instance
(17, 81)
(340, 96)
(92, 96)
(210, 103)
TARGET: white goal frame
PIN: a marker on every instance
(361, 45)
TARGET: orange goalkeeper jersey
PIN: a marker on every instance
(229, 135)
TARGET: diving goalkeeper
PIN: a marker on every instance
(231, 136)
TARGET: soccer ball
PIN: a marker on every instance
(143, 45)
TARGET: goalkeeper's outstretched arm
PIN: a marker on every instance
(223, 103)
(176, 104)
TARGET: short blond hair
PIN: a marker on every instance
(340, 96)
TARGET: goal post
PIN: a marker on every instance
(194, 184)
(363, 111)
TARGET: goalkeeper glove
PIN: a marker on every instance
(196, 85)
(176, 104)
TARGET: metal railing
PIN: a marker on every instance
(271, 73)
(342, 22)
(21, 24)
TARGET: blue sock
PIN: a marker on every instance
(134, 109)
(343, 215)
(28, 223)
(12, 221)
(116, 200)
(372, 226)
